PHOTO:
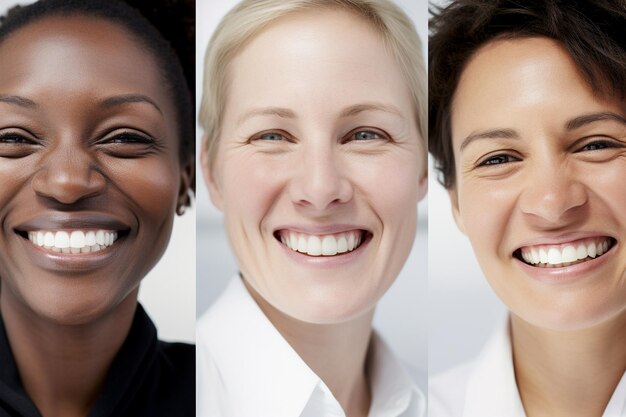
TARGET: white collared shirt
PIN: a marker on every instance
(245, 368)
(486, 387)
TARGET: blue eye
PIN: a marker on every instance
(271, 136)
(366, 135)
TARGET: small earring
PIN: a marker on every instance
(180, 210)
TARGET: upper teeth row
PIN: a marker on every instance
(321, 245)
(568, 253)
(73, 242)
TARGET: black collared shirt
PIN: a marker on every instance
(147, 378)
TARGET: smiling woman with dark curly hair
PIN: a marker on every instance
(96, 157)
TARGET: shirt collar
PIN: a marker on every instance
(257, 367)
(491, 387)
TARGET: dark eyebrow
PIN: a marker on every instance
(129, 98)
(490, 134)
(18, 101)
(586, 119)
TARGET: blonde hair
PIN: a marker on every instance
(248, 18)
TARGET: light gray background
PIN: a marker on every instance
(402, 313)
(463, 309)
(168, 291)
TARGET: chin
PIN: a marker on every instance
(573, 315)
(72, 306)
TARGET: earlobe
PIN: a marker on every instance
(187, 186)
(456, 213)
(422, 187)
(207, 172)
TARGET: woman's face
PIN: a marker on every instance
(89, 167)
(541, 165)
(318, 167)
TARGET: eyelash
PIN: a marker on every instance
(350, 136)
(129, 138)
(602, 143)
(13, 138)
(489, 160)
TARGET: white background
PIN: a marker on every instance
(462, 307)
(168, 291)
(402, 313)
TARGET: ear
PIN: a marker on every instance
(422, 188)
(456, 213)
(207, 173)
(187, 185)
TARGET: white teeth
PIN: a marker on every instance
(327, 245)
(557, 256)
(76, 241)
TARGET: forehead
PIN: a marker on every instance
(90, 51)
(506, 80)
(330, 55)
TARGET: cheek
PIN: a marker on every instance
(486, 209)
(249, 185)
(151, 184)
(390, 184)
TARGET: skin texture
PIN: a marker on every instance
(69, 161)
(545, 182)
(314, 66)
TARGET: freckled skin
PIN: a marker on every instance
(553, 183)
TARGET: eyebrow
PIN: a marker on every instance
(127, 99)
(350, 111)
(586, 119)
(490, 134)
(18, 101)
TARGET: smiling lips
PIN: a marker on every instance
(75, 241)
(562, 255)
(322, 245)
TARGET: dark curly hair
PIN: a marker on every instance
(166, 28)
(593, 32)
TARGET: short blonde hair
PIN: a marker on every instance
(248, 18)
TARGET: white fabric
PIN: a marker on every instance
(246, 368)
(486, 387)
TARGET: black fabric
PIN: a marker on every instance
(147, 378)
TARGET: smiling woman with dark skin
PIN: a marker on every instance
(95, 160)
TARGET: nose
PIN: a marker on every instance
(320, 181)
(553, 195)
(68, 174)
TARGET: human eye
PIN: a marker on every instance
(128, 144)
(500, 159)
(366, 135)
(15, 144)
(271, 136)
(600, 144)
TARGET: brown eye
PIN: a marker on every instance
(498, 160)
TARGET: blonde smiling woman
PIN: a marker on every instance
(314, 118)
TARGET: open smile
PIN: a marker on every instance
(73, 241)
(565, 254)
(325, 245)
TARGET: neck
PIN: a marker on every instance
(335, 352)
(63, 367)
(572, 373)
